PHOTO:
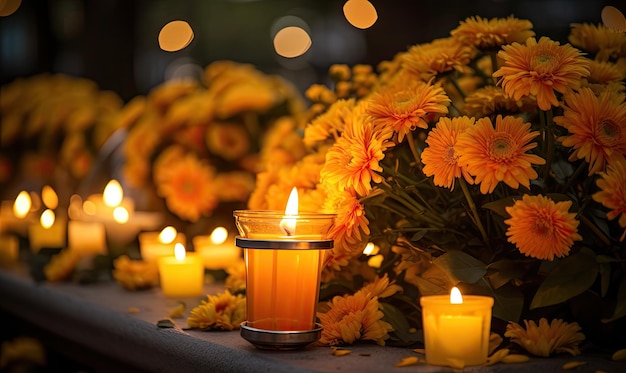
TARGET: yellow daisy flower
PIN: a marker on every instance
(541, 228)
(223, 311)
(425, 61)
(599, 40)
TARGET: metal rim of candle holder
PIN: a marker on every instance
(279, 339)
(249, 243)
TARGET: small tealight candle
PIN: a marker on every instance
(109, 206)
(152, 245)
(86, 237)
(217, 250)
(181, 275)
(456, 328)
(50, 232)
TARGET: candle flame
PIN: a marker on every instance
(49, 197)
(47, 218)
(371, 249)
(179, 251)
(120, 215)
(167, 235)
(455, 296)
(219, 235)
(22, 204)
(289, 224)
(113, 193)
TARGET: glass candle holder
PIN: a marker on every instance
(284, 255)
(456, 334)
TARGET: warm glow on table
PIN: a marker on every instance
(181, 275)
(456, 328)
(217, 250)
(9, 250)
(153, 245)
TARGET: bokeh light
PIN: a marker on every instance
(8, 7)
(291, 36)
(360, 13)
(175, 36)
(613, 19)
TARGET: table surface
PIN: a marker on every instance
(98, 318)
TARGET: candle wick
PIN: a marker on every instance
(283, 226)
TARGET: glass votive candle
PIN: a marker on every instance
(456, 328)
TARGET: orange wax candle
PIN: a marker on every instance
(283, 265)
(181, 275)
(282, 288)
(217, 250)
(456, 328)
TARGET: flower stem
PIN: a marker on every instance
(416, 157)
(472, 207)
(574, 176)
(549, 142)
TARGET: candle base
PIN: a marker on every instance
(279, 339)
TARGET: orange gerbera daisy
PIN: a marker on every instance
(539, 69)
(403, 108)
(439, 56)
(499, 154)
(492, 100)
(595, 125)
(612, 194)
(440, 158)
(546, 338)
(541, 228)
(352, 318)
(598, 39)
(187, 187)
(353, 161)
(230, 141)
(492, 33)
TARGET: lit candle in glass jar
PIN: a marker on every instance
(456, 328)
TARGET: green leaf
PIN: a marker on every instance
(570, 277)
(400, 325)
(503, 271)
(166, 324)
(499, 206)
(461, 267)
(605, 278)
(620, 307)
(508, 303)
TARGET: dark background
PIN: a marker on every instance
(114, 42)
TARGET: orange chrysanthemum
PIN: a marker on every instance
(612, 194)
(230, 141)
(353, 161)
(331, 122)
(404, 108)
(540, 69)
(349, 230)
(546, 338)
(440, 158)
(492, 33)
(598, 39)
(596, 127)
(352, 318)
(492, 100)
(439, 56)
(541, 228)
(499, 154)
(187, 187)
